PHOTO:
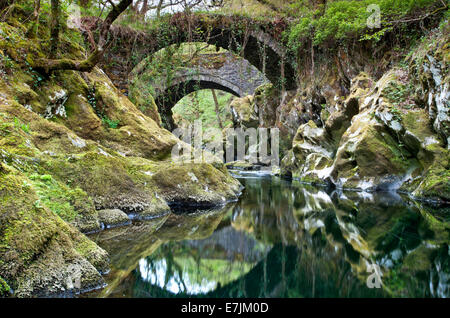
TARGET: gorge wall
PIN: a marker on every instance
(365, 123)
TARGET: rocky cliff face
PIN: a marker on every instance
(368, 127)
(385, 134)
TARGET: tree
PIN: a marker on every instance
(142, 7)
(217, 108)
(53, 64)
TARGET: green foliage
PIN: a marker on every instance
(344, 19)
(92, 100)
(111, 123)
(4, 287)
(398, 93)
(6, 63)
(19, 125)
(200, 105)
(375, 36)
(37, 78)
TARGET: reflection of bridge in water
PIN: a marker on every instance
(282, 239)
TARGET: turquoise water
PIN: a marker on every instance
(285, 239)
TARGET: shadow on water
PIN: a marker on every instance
(284, 239)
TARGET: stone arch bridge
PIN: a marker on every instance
(258, 42)
(221, 71)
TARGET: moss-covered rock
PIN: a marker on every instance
(429, 68)
(244, 112)
(71, 144)
(311, 155)
(267, 100)
(289, 165)
(195, 184)
(39, 252)
(113, 217)
(240, 165)
(378, 138)
(369, 157)
(145, 102)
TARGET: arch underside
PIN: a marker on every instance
(172, 95)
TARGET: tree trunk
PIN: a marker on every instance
(55, 28)
(144, 8)
(158, 9)
(216, 102)
(32, 30)
(37, 8)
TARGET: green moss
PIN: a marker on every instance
(111, 123)
(4, 288)
(56, 196)
(196, 183)
(34, 242)
(143, 99)
(437, 185)
(381, 148)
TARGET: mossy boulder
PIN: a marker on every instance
(419, 137)
(195, 184)
(338, 121)
(113, 217)
(39, 252)
(370, 158)
(144, 101)
(311, 154)
(310, 139)
(289, 166)
(239, 165)
(244, 112)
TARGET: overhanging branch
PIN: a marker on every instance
(50, 65)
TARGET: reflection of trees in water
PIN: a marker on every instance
(356, 229)
(282, 273)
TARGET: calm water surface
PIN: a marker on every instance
(284, 239)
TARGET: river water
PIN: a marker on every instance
(285, 239)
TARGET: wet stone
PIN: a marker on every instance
(113, 217)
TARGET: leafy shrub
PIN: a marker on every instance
(343, 19)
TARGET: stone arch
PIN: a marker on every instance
(220, 71)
